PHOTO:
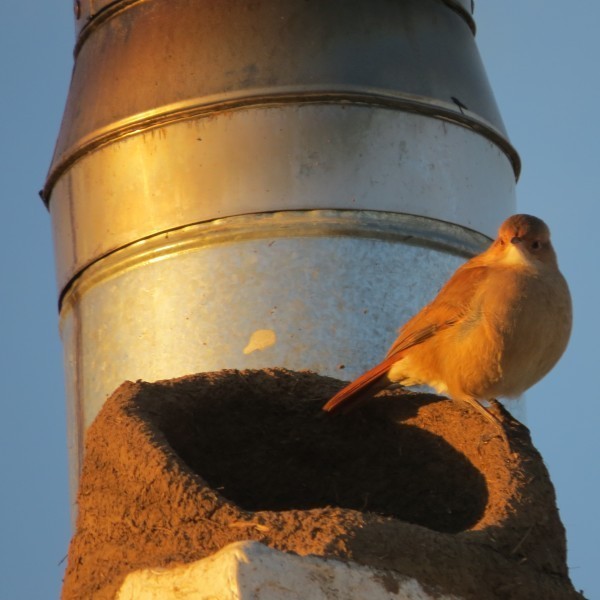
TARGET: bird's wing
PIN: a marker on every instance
(448, 308)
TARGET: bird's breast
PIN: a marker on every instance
(528, 323)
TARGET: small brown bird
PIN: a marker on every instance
(497, 326)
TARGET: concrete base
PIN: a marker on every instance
(250, 570)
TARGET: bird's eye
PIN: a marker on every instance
(536, 245)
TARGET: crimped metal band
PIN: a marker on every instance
(206, 107)
(392, 227)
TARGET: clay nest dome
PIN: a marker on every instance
(413, 483)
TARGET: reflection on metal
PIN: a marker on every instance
(153, 61)
(261, 339)
(286, 158)
(264, 184)
(452, 112)
(465, 9)
(394, 228)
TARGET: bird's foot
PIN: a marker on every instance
(489, 416)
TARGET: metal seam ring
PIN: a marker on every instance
(189, 110)
(393, 227)
(116, 8)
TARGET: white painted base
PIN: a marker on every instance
(250, 570)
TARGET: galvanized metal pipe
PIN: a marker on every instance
(274, 183)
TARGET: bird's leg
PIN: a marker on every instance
(487, 414)
(495, 402)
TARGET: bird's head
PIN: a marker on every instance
(524, 239)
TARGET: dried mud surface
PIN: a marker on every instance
(420, 485)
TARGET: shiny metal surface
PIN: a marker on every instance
(274, 183)
(89, 13)
(88, 10)
(319, 290)
(286, 158)
(467, 6)
(153, 62)
(465, 9)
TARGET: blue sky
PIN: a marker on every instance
(541, 58)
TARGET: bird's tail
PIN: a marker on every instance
(361, 389)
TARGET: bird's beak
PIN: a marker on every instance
(516, 240)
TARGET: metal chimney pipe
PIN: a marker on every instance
(266, 183)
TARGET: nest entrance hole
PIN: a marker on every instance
(270, 447)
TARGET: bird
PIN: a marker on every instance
(499, 324)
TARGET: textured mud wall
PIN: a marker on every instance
(178, 469)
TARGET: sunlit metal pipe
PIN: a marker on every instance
(274, 183)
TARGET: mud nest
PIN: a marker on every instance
(413, 483)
